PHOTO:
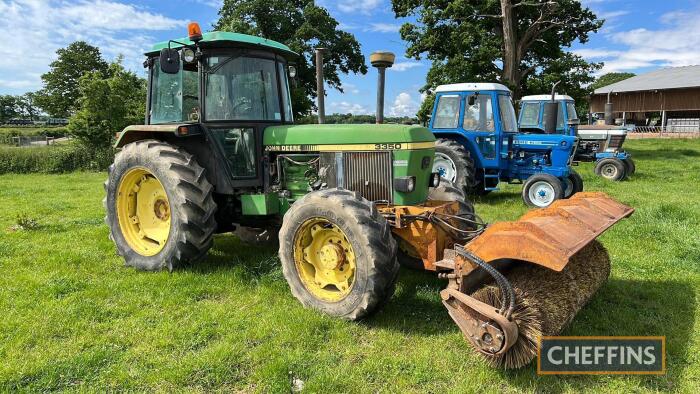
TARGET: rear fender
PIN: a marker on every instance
(165, 131)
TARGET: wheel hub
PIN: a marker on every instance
(143, 211)
(325, 260)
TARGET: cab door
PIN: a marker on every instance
(479, 125)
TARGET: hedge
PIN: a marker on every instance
(53, 159)
(34, 131)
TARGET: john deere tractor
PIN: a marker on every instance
(219, 151)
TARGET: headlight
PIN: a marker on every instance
(435, 179)
(188, 55)
(405, 184)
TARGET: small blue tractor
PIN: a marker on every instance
(601, 144)
(479, 146)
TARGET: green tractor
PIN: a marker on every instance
(219, 151)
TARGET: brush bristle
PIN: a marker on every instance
(547, 301)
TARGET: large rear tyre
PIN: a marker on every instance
(406, 254)
(611, 169)
(541, 190)
(159, 204)
(455, 164)
(338, 255)
(630, 166)
(574, 184)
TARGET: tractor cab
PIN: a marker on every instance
(227, 86)
(533, 113)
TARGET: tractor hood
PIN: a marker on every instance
(410, 137)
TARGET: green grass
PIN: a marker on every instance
(72, 317)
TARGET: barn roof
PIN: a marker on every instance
(665, 78)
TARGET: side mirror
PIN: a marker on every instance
(169, 61)
(471, 100)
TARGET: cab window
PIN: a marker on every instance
(175, 97)
(560, 115)
(509, 123)
(447, 113)
(530, 115)
(478, 115)
(571, 111)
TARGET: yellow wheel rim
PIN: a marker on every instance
(324, 259)
(143, 211)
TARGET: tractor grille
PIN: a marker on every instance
(369, 173)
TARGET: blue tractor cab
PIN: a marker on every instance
(601, 144)
(479, 146)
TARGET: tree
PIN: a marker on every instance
(107, 105)
(609, 79)
(60, 95)
(8, 108)
(26, 105)
(509, 41)
(302, 26)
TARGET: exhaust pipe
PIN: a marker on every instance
(551, 111)
(609, 119)
(320, 91)
(382, 61)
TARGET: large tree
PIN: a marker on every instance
(510, 41)
(107, 105)
(303, 26)
(609, 79)
(59, 97)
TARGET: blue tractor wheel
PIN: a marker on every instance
(573, 183)
(631, 167)
(612, 168)
(541, 190)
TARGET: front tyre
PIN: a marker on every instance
(612, 169)
(338, 254)
(574, 184)
(160, 209)
(541, 190)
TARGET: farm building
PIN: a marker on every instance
(663, 100)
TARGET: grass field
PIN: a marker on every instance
(72, 317)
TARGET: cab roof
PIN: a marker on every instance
(470, 87)
(547, 97)
(227, 39)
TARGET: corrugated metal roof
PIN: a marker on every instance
(665, 78)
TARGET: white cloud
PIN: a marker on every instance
(344, 107)
(673, 44)
(350, 88)
(384, 27)
(212, 3)
(609, 15)
(404, 105)
(407, 65)
(40, 27)
(359, 6)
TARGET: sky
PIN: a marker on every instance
(638, 36)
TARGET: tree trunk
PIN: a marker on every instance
(511, 57)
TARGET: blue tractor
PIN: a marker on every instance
(479, 146)
(601, 144)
